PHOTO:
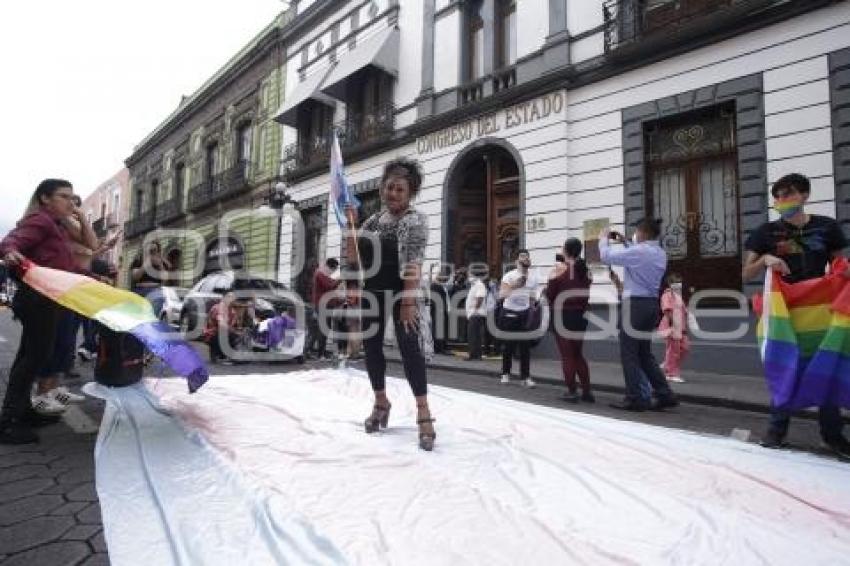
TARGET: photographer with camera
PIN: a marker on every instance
(645, 263)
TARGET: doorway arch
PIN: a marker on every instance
(483, 206)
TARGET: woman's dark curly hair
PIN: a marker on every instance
(406, 168)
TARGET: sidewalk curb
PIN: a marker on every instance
(704, 400)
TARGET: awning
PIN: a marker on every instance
(380, 50)
(309, 88)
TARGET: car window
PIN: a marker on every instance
(206, 284)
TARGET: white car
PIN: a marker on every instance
(172, 305)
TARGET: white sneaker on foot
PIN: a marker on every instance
(529, 383)
(45, 405)
(506, 378)
(64, 396)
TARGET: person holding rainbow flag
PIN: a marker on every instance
(805, 314)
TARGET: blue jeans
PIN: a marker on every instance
(154, 296)
(829, 419)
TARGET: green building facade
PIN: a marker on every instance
(198, 182)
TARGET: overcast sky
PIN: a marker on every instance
(84, 81)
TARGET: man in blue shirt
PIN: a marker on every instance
(645, 263)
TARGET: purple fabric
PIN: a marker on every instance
(160, 339)
(822, 380)
(277, 329)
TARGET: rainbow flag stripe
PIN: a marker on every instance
(804, 337)
(782, 205)
(121, 311)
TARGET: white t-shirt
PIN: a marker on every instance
(520, 299)
(477, 291)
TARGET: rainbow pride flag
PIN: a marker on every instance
(804, 337)
(121, 311)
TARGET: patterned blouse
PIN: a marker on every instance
(410, 231)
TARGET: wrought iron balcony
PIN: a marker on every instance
(141, 224)
(628, 22)
(226, 184)
(358, 132)
(170, 210)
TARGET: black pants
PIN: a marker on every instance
(475, 329)
(216, 350)
(318, 341)
(514, 323)
(408, 343)
(829, 418)
(636, 353)
(39, 318)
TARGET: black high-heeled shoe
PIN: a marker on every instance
(378, 419)
(426, 439)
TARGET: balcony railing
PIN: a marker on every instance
(102, 225)
(630, 21)
(504, 79)
(357, 132)
(142, 223)
(226, 184)
(170, 210)
(471, 92)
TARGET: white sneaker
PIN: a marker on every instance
(529, 383)
(45, 405)
(675, 379)
(506, 378)
(64, 396)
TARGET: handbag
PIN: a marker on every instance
(533, 317)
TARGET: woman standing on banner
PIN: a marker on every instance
(568, 291)
(391, 246)
(40, 237)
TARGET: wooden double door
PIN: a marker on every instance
(693, 188)
(484, 213)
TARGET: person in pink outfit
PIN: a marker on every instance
(674, 328)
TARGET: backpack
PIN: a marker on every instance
(120, 358)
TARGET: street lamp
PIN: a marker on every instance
(278, 198)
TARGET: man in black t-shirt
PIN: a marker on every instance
(798, 246)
